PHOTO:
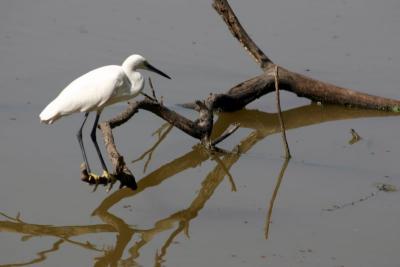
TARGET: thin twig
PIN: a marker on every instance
(152, 88)
(149, 97)
(278, 105)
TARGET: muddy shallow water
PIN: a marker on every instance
(329, 209)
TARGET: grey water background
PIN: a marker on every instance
(45, 44)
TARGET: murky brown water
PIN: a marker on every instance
(327, 211)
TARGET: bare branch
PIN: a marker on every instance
(223, 8)
(236, 98)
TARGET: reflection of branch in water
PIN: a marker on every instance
(161, 137)
(273, 197)
(230, 178)
(159, 259)
(125, 233)
(230, 130)
(62, 233)
(161, 129)
(189, 160)
(56, 231)
(183, 217)
(263, 125)
(41, 255)
(214, 179)
(16, 219)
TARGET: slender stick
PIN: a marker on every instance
(278, 105)
(149, 97)
(152, 89)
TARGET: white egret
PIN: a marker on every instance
(94, 91)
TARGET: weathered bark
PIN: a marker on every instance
(227, 14)
(244, 93)
(236, 98)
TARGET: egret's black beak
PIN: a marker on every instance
(153, 69)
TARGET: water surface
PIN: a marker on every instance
(327, 211)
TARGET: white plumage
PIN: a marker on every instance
(97, 89)
(94, 91)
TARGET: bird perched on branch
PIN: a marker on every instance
(94, 91)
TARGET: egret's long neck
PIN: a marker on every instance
(137, 81)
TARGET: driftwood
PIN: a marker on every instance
(234, 99)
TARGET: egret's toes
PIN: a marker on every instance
(96, 179)
(111, 179)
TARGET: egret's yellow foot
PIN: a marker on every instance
(111, 179)
(96, 178)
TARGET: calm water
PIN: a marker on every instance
(327, 211)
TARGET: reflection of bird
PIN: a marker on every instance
(94, 91)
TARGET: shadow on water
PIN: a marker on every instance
(262, 125)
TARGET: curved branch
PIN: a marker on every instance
(223, 8)
(236, 98)
(327, 93)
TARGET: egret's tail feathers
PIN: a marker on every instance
(49, 114)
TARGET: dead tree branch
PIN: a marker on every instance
(236, 98)
(227, 14)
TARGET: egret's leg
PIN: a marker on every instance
(106, 174)
(94, 139)
(79, 136)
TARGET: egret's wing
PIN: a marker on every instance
(90, 91)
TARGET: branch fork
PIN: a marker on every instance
(236, 98)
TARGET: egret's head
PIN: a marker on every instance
(135, 62)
